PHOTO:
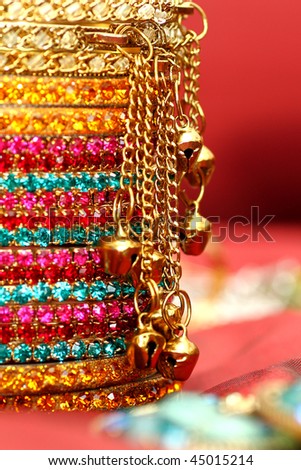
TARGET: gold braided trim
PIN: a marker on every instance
(110, 63)
(112, 398)
(67, 121)
(69, 376)
(89, 11)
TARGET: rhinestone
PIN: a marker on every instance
(94, 349)
(67, 63)
(60, 351)
(35, 62)
(74, 11)
(146, 12)
(42, 352)
(14, 10)
(101, 10)
(123, 11)
(41, 292)
(22, 353)
(122, 64)
(160, 16)
(47, 11)
(5, 353)
(98, 290)
(78, 349)
(22, 294)
(97, 64)
(61, 291)
(10, 39)
(80, 291)
(42, 40)
(69, 40)
(4, 296)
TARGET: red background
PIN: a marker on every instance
(250, 91)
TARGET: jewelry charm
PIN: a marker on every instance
(195, 234)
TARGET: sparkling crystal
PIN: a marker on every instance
(160, 16)
(22, 294)
(60, 351)
(22, 353)
(123, 11)
(122, 64)
(47, 11)
(97, 64)
(146, 12)
(35, 62)
(42, 352)
(45, 314)
(25, 314)
(95, 349)
(14, 10)
(42, 40)
(69, 40)
(10, 39)
(81, 312)
(99, 311)
(61, 291)
(4, 296)
(41, 291)
(67, 63)
(78, 349)
(80, 290)
(5, 353)
(98, 290)
(64, 313)
(101, 10)
(74, 11)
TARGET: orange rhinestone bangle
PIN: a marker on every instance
(112, 398)
(68, 121)
(63, 377)
(63, 91)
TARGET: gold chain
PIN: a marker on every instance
(145, 161)
(191, 66)
(167, 161)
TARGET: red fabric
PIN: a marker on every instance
(250, 92)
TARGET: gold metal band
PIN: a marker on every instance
(111, 398)
(63, 377)
(58, 121)
(77, 11)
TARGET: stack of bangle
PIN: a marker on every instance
(66, 86)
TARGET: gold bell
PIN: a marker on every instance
(178, 358)
(195, 234)
(174, 314)
(158, 263)
(205, 164)
(119, 254)
(190, 143)
(146, 346)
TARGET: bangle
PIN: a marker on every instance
(59, 377)
(119, 396)
(44, 153)
(49, 121)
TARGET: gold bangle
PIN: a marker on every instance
(111, 63)
(63, 91)
(67, 121)
(93, 12)
(105, 398)
(62, 377)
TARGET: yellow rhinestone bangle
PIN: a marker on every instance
(111, 398)
(63, 91)
(68, 121)
(62, 377)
